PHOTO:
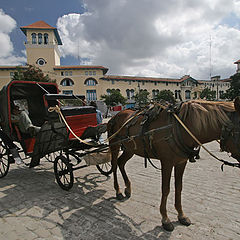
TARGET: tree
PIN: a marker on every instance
(142, 98)
(234, 89)
(31, 73)
(113, 99)
(208, 94)
(166, 95)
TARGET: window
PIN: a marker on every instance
(67, 82)
(187, 94)
(108, 91)
(113, 82)
(39, 38)
(90, 73)
(94, 72)
(155, 83)
(62, 73)
(45, 38)
(130, 93)
(221, 94)
(166, 83)
(91, 95)
(90, 82)
(86, 73)
(177, 94)
(155, 93)
(67, 92)
(34, 38)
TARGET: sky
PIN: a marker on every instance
(149, 38)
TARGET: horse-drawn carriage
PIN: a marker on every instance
(61, 133)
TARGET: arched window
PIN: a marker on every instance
(90, 82)
(39, 38)
(34, 38)
(45, 38)
(188, 94)
(154, 93)
(130, 93)
(67, 82)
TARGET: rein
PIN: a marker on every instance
(58, 110)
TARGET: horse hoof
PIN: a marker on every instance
(119, 196)
(127, 194)
(168, 226)
(185, 221)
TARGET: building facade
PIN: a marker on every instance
(42, 41)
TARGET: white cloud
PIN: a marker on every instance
(154, 38)
(7, 24)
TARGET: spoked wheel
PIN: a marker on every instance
(63, 172)
(4, 160)
(105, 168)
(51, 156)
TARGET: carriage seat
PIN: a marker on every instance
(26, 140)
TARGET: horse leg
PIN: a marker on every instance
(115, 152)
(121, 163)
(178, 173)
(166, 176)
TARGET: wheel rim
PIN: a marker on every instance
(51, 156)
(4, 163)
(63, 173)
(105, 168)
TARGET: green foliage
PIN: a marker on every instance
(165, 95)
(72, 102)
(31, 73)
(114, 98)
(142, 98)
(234, 89)
(208, 94)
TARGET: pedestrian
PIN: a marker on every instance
(99, 119)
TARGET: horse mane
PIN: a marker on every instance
(202, 113)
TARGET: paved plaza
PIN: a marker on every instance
(33, 206)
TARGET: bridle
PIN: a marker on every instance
(231, 130)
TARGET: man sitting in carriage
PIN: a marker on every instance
(22, 120)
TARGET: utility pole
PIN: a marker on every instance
(210, 57)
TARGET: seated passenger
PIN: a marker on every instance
(22, 120)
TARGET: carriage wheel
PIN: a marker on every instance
(63, 172)
(105, 168)
(4, 160)
(51, 156)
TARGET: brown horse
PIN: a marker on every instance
(155, 133)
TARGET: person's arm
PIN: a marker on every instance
(14, 119)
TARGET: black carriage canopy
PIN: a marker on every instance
(30, 94)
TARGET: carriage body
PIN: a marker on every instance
(36, 98)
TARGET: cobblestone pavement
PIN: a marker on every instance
(33, 206)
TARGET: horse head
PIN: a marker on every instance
(230, 138)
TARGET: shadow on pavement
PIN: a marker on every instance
(81, 213)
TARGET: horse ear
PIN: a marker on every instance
(237, 104)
